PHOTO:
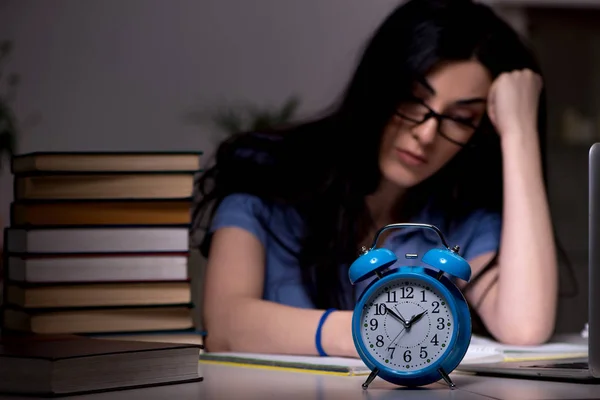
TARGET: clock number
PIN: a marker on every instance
(434, 340)
(391, 297)
(407, 292)
(392, 349)
(423, 352)
(374, 324)
(380, 309)
(379, 341)
(423, 300)
(407, 357)
(436, 307)
(440, 325)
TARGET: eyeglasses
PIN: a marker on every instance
(454, 129)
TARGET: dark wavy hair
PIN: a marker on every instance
(325, 167)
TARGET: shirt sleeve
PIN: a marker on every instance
(479, 234)
(242, 211)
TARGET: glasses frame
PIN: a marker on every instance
(439, 118)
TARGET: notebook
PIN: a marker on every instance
(481, 350)
(313, 364)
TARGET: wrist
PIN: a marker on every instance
(336, 334)
(519, 139)
(521, 158)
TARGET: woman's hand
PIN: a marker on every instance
(513, 102)
(336, 337)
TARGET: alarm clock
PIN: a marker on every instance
(411, 325)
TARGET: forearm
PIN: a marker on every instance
(525, 299)
(259, 326)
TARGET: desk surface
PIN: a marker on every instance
(227, 382)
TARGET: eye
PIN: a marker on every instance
(464, 120)
(465, 115)
(412, 107)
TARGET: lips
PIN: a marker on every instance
(410, 158)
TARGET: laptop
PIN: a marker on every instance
(580, 369)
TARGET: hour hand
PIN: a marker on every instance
(398, 317)
(416, 318)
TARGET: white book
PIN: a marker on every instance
(98, 268)
(102, 239)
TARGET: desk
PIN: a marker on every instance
(227, 382)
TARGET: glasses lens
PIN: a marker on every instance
(455, 130)
(413, 110)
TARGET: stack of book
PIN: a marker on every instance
(98, 244)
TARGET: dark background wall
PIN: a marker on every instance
(123, 75)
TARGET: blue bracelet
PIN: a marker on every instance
(319, 328)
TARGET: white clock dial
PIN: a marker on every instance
(407, 324)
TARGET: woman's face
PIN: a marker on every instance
(410, 151)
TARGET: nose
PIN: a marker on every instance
(426, 132)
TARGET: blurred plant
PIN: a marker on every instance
(8, 122)
(230, 120)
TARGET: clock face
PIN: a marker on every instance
(407, 324)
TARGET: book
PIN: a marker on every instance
(105, 161)
(104, 186)
(322, 365)
(556, 348)
(182, 336)
(101, 212)
(90, 267)
(97, 239)
(98, 295)
(314, 364)
(60, 365)
(98, 320)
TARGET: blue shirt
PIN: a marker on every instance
(279, 228)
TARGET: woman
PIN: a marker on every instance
(441, 123)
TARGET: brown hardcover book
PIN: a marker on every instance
(109, 320)
(99, 295)
(164, 337)
(104, 186)
(105, 162)
(94, 212)
(55, 365)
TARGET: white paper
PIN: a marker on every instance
(550, 347)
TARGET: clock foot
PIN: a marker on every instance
(446, 378)
(372, 376)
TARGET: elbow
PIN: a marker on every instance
(523, 324)
(526, 334)
(524, 338)
(216, 339)
(215, 344)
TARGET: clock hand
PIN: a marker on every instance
(398, 317)
(400, 314)
(415, 318)
(403, 330)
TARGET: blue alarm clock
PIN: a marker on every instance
(411, 325)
